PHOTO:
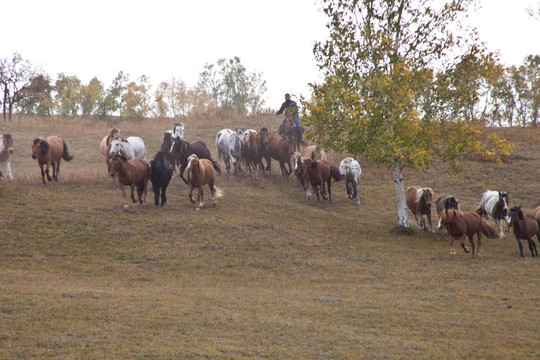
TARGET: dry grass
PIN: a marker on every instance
(264, 274)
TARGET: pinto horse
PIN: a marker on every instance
(280, 149)
(351, 170)
(525, 227)
(495, 204)
(201, 172)
(460, 224)
(181, 150)
(319, 173)
(161, 172)
(444, 202)
(105, 145)
(419, 202)
(6, 149)
(131, 172)
(50, 152)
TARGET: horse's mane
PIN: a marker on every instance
(421, 192)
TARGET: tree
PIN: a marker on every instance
(37, 98)
(91, 96)
(16, 75)
(136, 99)
(111, 103)
(382, 62)
(172, 99)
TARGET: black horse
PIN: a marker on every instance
(181, 150)
(161, 172)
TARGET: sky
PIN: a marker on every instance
(163, 39)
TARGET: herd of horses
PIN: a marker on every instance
(126, 162)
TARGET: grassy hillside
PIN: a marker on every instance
(264, 274)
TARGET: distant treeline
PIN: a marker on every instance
(222, 87)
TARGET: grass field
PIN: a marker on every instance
(266, 274)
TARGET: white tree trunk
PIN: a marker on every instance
(403, 220)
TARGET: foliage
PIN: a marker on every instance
(136, 99)
(67, 95)
(91, 96)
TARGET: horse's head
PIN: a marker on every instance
(8, 142)
(425, 196)
(116, 160)
(264, 137)
(178, 131)
(39, 147)
(504, 200)
(451, 203)
(515, 214)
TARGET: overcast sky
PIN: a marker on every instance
(164, 39)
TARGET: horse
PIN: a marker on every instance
(525, 227)
(495, 204)
(181, 149)
(177, 132)
(255, 144)
(131, 172)
(299, 158)
(161, 172)
(460, 224)
(319, 173)
(230, 147)
(443, 202)
(50, 152)
(105, 145)
(6, 149)
(201, 172)
(288, 128)
(419, 202)
(132, 147)
(280, 149)
(351, 170)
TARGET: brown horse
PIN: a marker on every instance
(460, 224)
(182, 149)
(105, 145)
(444, 202)
(200, 173)
(309, 152)
(50, 152)
(419, 202)
(133, 173)
(319, 173)
(280, 149)
(255, 144)
(288, 129)
(525, 227)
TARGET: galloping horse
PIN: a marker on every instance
(299, 159)
(444, 202)
(161, 172)
(105, 145)
(280, 149)
(351, 170)
(6, 149)
(181, 149)
(525, 227)
(177, 132)
(419, 202)
(230, 147)
(255, 147)
(495, 204)
(460, 224)
(288, 128)
(319, 173)
(131, 172)
(200, 173)
(132, 147)
(50, 152)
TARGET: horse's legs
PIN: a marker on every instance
(200, 198)
(163, 195)
(49, 178)
(56, 169)
(499, 226)
(191, 194)
(124, 195)
(143, 191)
(520, 248)
(355, 192)
(8, 168)
(428, 215)
(479, 242)
(213, 191)
(463, 244)
(329, 190)
(452, 251)
(133, 192)
(532, 246)
(156, 195)
(182, 168)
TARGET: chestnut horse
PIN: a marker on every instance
(131, 172)
(255, 147)
(319, 173)
(299, 158)
(280, 149)
(444, 202)
(200, 173)
(181, 150)
(50, 152)
(419, 202)
(460, 224)
(525, 227)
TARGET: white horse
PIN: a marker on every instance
(230, 145)
(351, 170)
(6, 149)
(495, 204)
(132, 147)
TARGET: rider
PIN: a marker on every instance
(289, 106)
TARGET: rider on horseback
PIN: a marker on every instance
(290, 108)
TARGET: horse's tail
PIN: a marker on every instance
(489, 231)
(65, 155)
(334, 172)
(216, 166)
(218, 192)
